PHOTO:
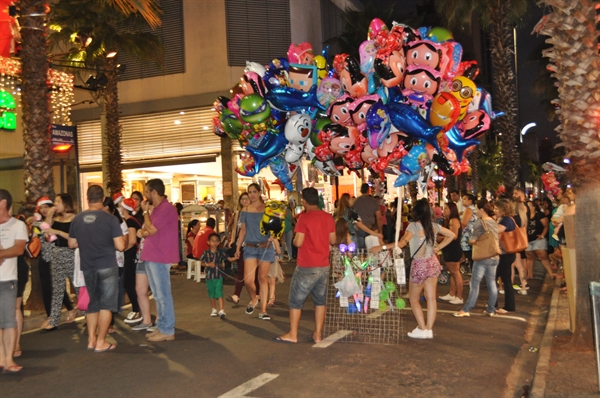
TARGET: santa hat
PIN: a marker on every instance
(130, 204)
(44, 200)
(117, 197)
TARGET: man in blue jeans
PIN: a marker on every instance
(161, 250)
(97, 234)
(312, 273)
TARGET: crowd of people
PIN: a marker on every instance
(128, 246)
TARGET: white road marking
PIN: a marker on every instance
(249, 386)
(517, 318)
(329, 340)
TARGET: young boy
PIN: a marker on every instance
(213, 259)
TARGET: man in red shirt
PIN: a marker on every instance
(315, 231)
(201, 240)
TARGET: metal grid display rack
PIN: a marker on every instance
(373, 314)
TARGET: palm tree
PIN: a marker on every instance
(576, 66)
(489, 166)
(34, 101)
(500, 17)
(92, 35)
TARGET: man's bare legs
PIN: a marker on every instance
(19, 315)
(7, 347)
(101, 322)
(319, 322)
(292, 335)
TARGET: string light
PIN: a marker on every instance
(61, 85)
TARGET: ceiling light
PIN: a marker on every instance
(177, 122)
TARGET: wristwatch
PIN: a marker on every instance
(384, 247)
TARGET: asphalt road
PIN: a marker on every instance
(469, 357)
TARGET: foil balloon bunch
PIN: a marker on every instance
(408, 100)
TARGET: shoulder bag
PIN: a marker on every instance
(514, 241)
(486, 245)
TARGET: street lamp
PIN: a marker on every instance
(525, 129)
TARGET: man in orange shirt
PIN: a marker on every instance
(201, 240)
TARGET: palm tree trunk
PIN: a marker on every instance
(35, 102)
(473, 159)
(113, 130)
(504, 84)
(576, 66)
(38, 158)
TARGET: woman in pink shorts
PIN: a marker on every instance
(425, 267)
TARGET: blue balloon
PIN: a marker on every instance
(457, 143)
(404, 179)
(379, 124)
(271, 145)
(281, 169)
(290, 99)
(411, 165)
(408, 120)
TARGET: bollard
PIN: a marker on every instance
(595, 296)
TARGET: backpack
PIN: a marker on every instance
(33, 247)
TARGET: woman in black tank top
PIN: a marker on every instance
(62, 263)
(453, 253)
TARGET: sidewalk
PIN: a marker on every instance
(560, 371)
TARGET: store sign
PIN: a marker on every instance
(62, 137)
(8, 117)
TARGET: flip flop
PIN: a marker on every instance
(311, 338)
(110, 348)
(12, 369)
(501, 311)
(280, 340)
(17, 353)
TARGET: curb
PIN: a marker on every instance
(538, 388)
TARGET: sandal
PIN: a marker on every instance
(271, 301)
(72, 315)
(45, 324)
(501, 311)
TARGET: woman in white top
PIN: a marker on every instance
(425, 267)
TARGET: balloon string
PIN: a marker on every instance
(244, 278)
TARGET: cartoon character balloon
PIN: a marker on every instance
(297, 132)
(273, 220)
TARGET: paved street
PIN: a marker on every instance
(469, 357)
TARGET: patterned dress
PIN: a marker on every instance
(468, 231)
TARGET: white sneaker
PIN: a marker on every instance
(456, 300)
(420, 334)
(221, 314)
(501, 291)
(429, 333)
(447, 297)
(522, 292)
(214, 312)
(133, 318)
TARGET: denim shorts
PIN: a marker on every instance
(103, 289)
(140, 268)
(538, 244)
(8, 304)
(305, 281)
(264, 254)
